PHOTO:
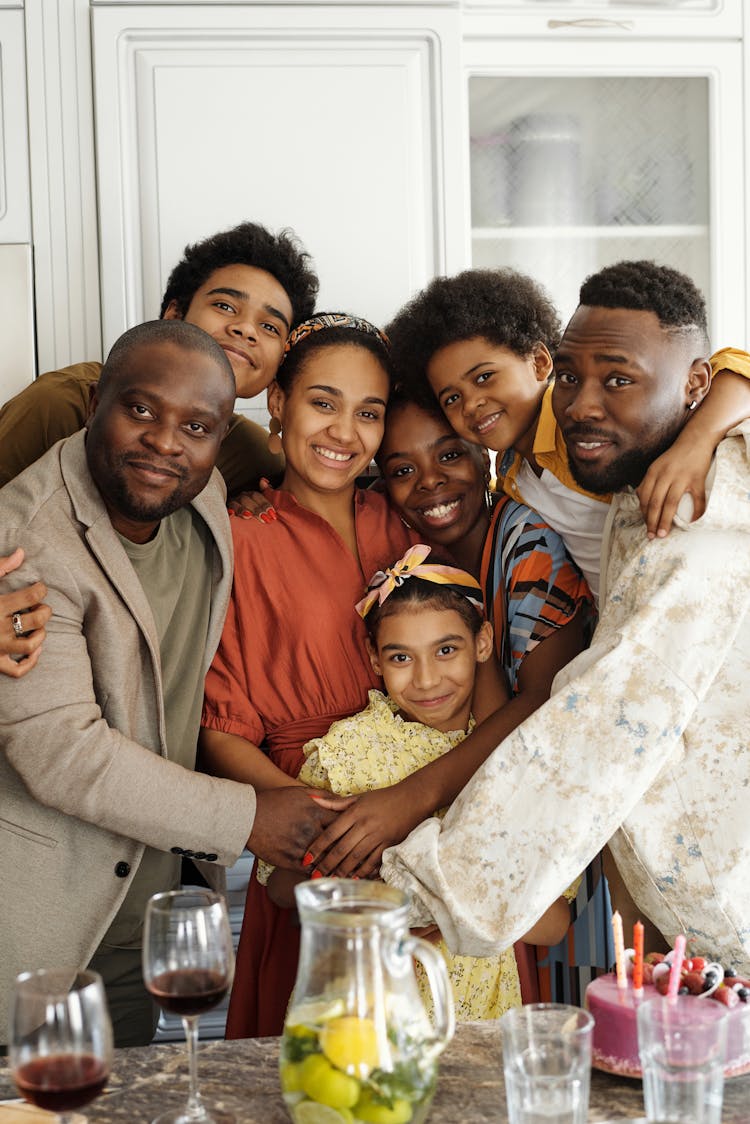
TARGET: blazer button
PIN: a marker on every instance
(122, 870)
(177, 850)
(199, 854)
(211, 857)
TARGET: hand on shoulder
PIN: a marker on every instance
(22, 619)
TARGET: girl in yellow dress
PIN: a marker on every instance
(426, 636)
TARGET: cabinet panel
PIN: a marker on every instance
(286, 116)
(585, 157)
(16, 319)
(15, 220)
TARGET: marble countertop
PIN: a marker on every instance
(242, 1078)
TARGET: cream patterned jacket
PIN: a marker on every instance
(645, 743)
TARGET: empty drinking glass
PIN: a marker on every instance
(682, 1045)
(547, 1063)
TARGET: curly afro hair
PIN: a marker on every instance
(280, 254)
(502, 306)
(414, 394)
(645, 286)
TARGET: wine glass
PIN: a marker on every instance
(60, 1039)
(188, 964)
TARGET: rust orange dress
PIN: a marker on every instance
(292, 660)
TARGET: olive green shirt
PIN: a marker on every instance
(56, 405)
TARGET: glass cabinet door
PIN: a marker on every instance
(570, 173)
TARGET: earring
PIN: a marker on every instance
(692, 405)
(274, 437)
(487, 495)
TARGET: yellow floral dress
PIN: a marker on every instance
(376, 748)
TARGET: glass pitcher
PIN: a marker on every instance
(358, 1045)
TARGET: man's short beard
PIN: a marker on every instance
(133, 508)
(626, 470)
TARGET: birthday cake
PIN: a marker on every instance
(615, 1036)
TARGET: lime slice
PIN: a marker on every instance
(308, 1112)
(315, 1012)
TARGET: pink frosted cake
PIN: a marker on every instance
(615, 1039)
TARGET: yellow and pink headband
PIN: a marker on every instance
(413, 565)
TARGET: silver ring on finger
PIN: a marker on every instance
(17, 621)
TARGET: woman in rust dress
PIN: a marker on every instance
(292, 658)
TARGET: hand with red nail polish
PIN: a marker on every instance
(253, 504)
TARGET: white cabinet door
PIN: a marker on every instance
(344, 124)
(592, 153)
(15, 219)
(16, 313)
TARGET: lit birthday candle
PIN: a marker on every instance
(638, 958)
(622, 977)
(676, 969)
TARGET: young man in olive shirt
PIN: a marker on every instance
(247, 288)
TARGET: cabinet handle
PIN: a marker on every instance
(625, 25)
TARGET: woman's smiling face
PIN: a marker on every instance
(331, 418)
(434, 478)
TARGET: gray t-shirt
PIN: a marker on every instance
(174, 569)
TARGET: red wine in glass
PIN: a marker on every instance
(61, 1082)
(60, 1046)
(188, 964)
(189, 991)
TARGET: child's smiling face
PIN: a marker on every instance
(488, 393)
(428, 660)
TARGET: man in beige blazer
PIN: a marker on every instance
(98, 798)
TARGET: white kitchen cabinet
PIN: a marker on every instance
(63, 188)
(16, 296)
(586, 153)
(559, 20)
(15, 219)
(363, 126)
(342, 123)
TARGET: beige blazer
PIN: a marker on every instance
(85, 782)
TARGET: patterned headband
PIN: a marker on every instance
(333, 320)
(412, 565)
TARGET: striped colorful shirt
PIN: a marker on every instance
(531, 586)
